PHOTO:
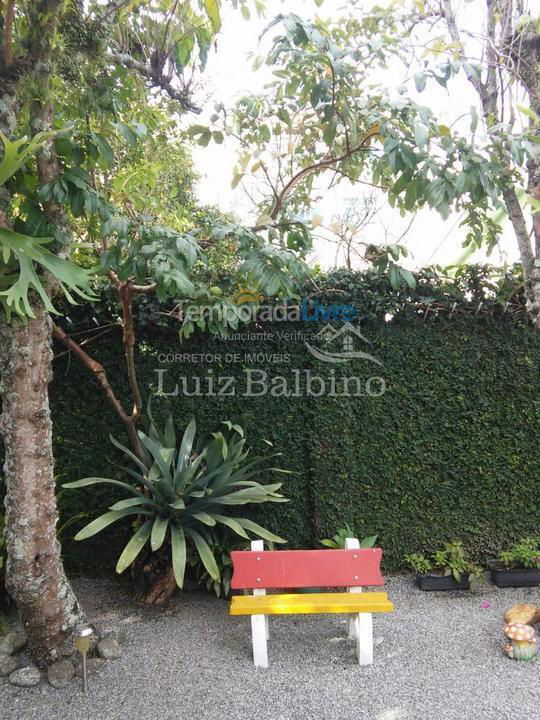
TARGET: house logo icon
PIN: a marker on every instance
(246, 295)
(342, 345)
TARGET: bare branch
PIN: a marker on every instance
(144, 289)
(98, 371)
(317, 167)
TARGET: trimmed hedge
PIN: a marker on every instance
(449, 451)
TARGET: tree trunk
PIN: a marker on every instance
(153, 578)
(35, 576)
(524, 49)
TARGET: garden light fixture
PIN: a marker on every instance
(81, 638)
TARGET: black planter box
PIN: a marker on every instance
(442, 582)
(524, 577)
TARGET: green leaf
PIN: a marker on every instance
(237, 177)
(474, 119)
(421, 134)
(329, 132)
(204, 139)
(134, 546)
(216, 452)
(233, 524)
(130, 455)
(315, 94)
(129, 135)
(27, 252)
(212, 10)
(178, 547)
(128, 503)
(329, 543)
(205, 553)
(401, 183)
(186, 445)
(16, 152)
(169, 436)
(369, 542)
(394, 277)
(204, 518)
(529, 113)
(105, 520)
(185, 48)
(159, 529)
(105, 150)
(420, 81)
(160, 455)
(178, 504)
(260, 531)
(408, 277)
(86, 482)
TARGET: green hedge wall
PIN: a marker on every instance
(449, 451)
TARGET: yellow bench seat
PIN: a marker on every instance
(310, 603)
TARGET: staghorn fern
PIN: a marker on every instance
(20, 254)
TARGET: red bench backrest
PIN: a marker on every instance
(306, 568)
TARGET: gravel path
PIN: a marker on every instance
(438, 656)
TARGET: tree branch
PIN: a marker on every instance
(156, 80)
(316, 167)
(144, 289)
(95, 368)
(126, 297)
(98, 371)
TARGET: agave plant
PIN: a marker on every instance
(180, 494)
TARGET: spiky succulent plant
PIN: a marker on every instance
(180, 493)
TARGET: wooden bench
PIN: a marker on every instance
(352, 568)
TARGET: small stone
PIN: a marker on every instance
(93, 667)
(25, 677)
(7, 665)
(120, 635)
(13, 643)
(109, 649)
(60, 673)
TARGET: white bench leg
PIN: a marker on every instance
(258, 636)
(352, 624)
(364, 638)
(259, 623)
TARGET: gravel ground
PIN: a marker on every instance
(437, 656)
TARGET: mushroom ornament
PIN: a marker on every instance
(522, 645)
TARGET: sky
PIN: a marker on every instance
(430, 240)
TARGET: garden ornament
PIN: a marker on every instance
(525, 613)
(522, 645)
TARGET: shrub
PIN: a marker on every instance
(524, 554)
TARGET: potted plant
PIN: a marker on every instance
(519, 566)
(448, 569)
